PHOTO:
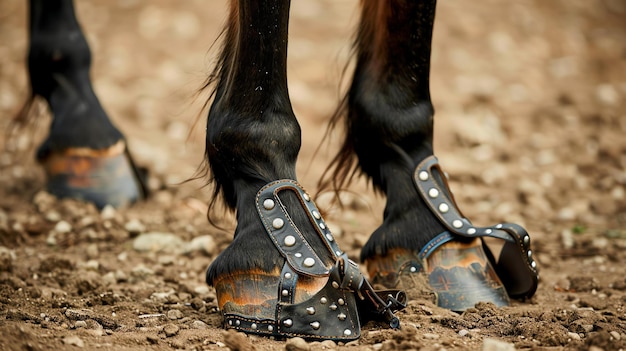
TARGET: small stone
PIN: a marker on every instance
(199, 325)
(573, 336)
(497, 345)
(80, 324)
(463, 332)
(329, 344)
(92, 251)
(157, 242)
(567, 239)
(174, 314)
(63, 227)
(203, 243)
(108, 212)
(430, 336)
(134, 226)
(297, 344)
(170, 330)
(73, 340)
(109, 278)
(237, 341)
(615, 335)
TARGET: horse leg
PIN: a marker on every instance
(84, 155)
(277, 276)
(390, 136)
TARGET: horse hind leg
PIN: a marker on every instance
(390, 137)
(84, 155)
(281, 275)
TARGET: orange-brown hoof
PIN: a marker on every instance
(103, 177)
(308, 297)
(458, 273)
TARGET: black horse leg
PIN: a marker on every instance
(283, 274)
(253, 138)
(390, 132)
(84, 154)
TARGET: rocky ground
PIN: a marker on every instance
(530, 125)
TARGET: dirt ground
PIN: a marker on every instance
(530, 125)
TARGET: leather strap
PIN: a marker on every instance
(337, 310)
(434, 190)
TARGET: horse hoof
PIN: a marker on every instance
(462, 264)
(308, 297)
(459, 274)
(102, 177)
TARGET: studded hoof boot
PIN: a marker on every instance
(102, 177)
(307, 298)
(460, 267)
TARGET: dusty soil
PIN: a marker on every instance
(530, 125)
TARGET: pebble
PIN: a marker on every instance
(463, 332)
(430, 336)
(203, 243)
(73, 340)
(80, 324)
(108, 212)
(134, 226)
(497, 345)
(157, 241)
(573, 336)
(615, 335)
(170, 330)
(297, 344)
(92, 251)
(174, 314)
(63, 227)
(567, 239)
(329, 344)
(199, 325)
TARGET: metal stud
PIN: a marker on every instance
(285, 292)
(322, 225)
(335, 285)
(526, 239)
(530, 253)
(499, 225)
(268, 204)
(333, 307)
(347, 332)
(413, 269)
(287, 323)
(306, 197)
(253, 326)
(433, 193)
(315, 325)
(310, 310)
(338, 253)
(290, 240)
(317, 215)
(230, 322)
(471, 231)
(287, 275)
(457, 223)
(341, 302)
(443, 208)
(308, 262)
(329, 237)
(237, 322)
(270, 328)
(423, 175)
(342, 316)
(488, 231)
(298, 254)
(278, 223)
(323, 300)
(533, 264)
